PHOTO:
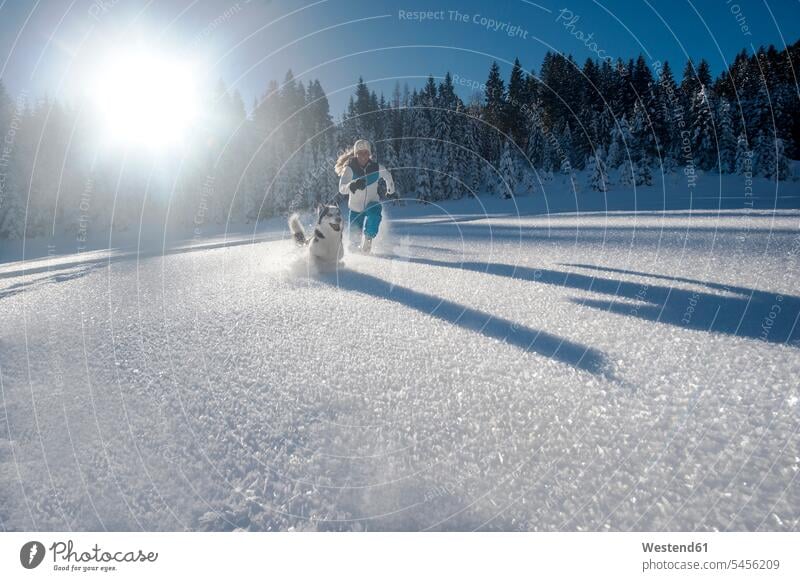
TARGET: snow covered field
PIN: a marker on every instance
(482, 370)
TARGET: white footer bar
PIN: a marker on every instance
(378, 556)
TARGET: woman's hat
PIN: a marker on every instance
(361, 145)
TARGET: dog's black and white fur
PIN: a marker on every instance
(325, 246)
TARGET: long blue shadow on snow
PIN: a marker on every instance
(30, 266)
(525, 338)
(749, 313)
(57, 277)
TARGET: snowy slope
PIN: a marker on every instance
(483, 370)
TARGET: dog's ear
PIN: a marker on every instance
(322, 211)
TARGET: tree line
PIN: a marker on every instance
(614, 123)
(602, 125)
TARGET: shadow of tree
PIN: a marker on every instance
(525, 338)
(749, 313)
(56, 277)
(30, 267)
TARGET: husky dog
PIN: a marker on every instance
(325, 246)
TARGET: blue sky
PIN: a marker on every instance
(56, 42)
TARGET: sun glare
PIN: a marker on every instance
(145, 98)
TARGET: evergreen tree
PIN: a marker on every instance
(350, 129)
(642, 141)
(605, 123)
(704, 75)
(771, 157)
(318, 109)
(766, 160)
(469, 170)
(567, 161)
(589, 112)
(535, 150)
(642, 81)
(669, 165)
(621, 141)
(396, 118)
(627, 173)
(429, 94)
(689, 87)
(733, 80)
(12, 209)
(424, 149)
(291, 98)
(364, 106)
(665, 126)
(12, 169)
(643, 175)
(744, 156)
(517, 105)
(423, 184)
(548, 155)
(12, 217)
(406, 178)
(703, 143)
(447, 96)
(596, 172)
(782, 169)
(441, 159)
(783, 98)
(759, 112)
(508, 174)
(548, 94)
(494, 113)
(727, 140)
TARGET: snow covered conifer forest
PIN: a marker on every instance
(600, 125)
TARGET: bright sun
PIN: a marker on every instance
(145, 98)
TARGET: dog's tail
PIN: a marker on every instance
(296, 229)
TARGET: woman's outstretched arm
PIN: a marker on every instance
(387, 176)
(344, 181)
